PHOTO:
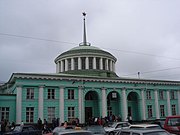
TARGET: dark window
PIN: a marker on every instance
(51, 93)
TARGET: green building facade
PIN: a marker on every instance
(85, 85)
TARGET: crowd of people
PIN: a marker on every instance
(6, 126)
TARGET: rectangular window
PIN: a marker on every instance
(4, 113)
(161, 94)
(70, 94)
(75, 63)
(90, 62)
(30, 93)
(97, 63)
(104, 63)
(29, 114)
(148, 94)
(71, 113)
(149, 108)
(173, 108)
(51, 114)
(51, 93)
(162, 111)
(63, 63)
(172, 94)
(83, 62)
(109, 110)
(69, 64)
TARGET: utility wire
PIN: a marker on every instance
(152, 71)
(50, 40)
(147, 54)
(34, 38)
(125, 51)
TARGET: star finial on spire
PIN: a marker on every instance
(84, 43)
(84, 14)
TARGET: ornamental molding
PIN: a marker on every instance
(69, 77)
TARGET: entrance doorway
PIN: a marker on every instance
(88, 113)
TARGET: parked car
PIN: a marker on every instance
(145, 126)
(116, 127)
(160, 122)
(96, 129)
(74, 132)
(61, 129)
(143, 132)
(172, 124)
(24, 130)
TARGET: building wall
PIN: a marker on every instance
(132, 92)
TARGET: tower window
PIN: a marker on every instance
(69, 64)
(90, 62)
(104, 63)
(83, 60)
(75, 63)
(97, 63)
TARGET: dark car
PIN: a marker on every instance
(24, 130)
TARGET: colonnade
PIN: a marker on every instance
(80, 63)
(81, 107)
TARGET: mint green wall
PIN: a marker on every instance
(87, 86)
(7, 100)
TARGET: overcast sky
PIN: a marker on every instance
(144, 35)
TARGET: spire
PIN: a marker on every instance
(84, 32)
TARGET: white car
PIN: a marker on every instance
(143, 132)
(116, 127)
(145, 126)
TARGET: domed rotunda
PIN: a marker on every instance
(86, 60)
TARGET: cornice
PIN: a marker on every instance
(92, 79)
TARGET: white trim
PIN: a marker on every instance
(61, 103)
(168, 103)
(143, 106)
(124, 105)
(40, 102)
(19, 105)
(156, 104)
(104, 103)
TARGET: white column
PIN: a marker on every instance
(66, 65)
(61, 103)
(18, 105)
(124, 104)
(113, 66)
(94, 62)
(178, 97)
(79, 63)
(101, 63)
(156, 104)
(104, 103)
(87, 63)
(83, 108)
(72, 63)
(62, 65)
(80, 103)
(168, 103)
(107, 68)
(40, 102)
(143, 105)
(57, 67)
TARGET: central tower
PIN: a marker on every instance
(86, 59)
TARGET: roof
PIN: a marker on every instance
(86, 50)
